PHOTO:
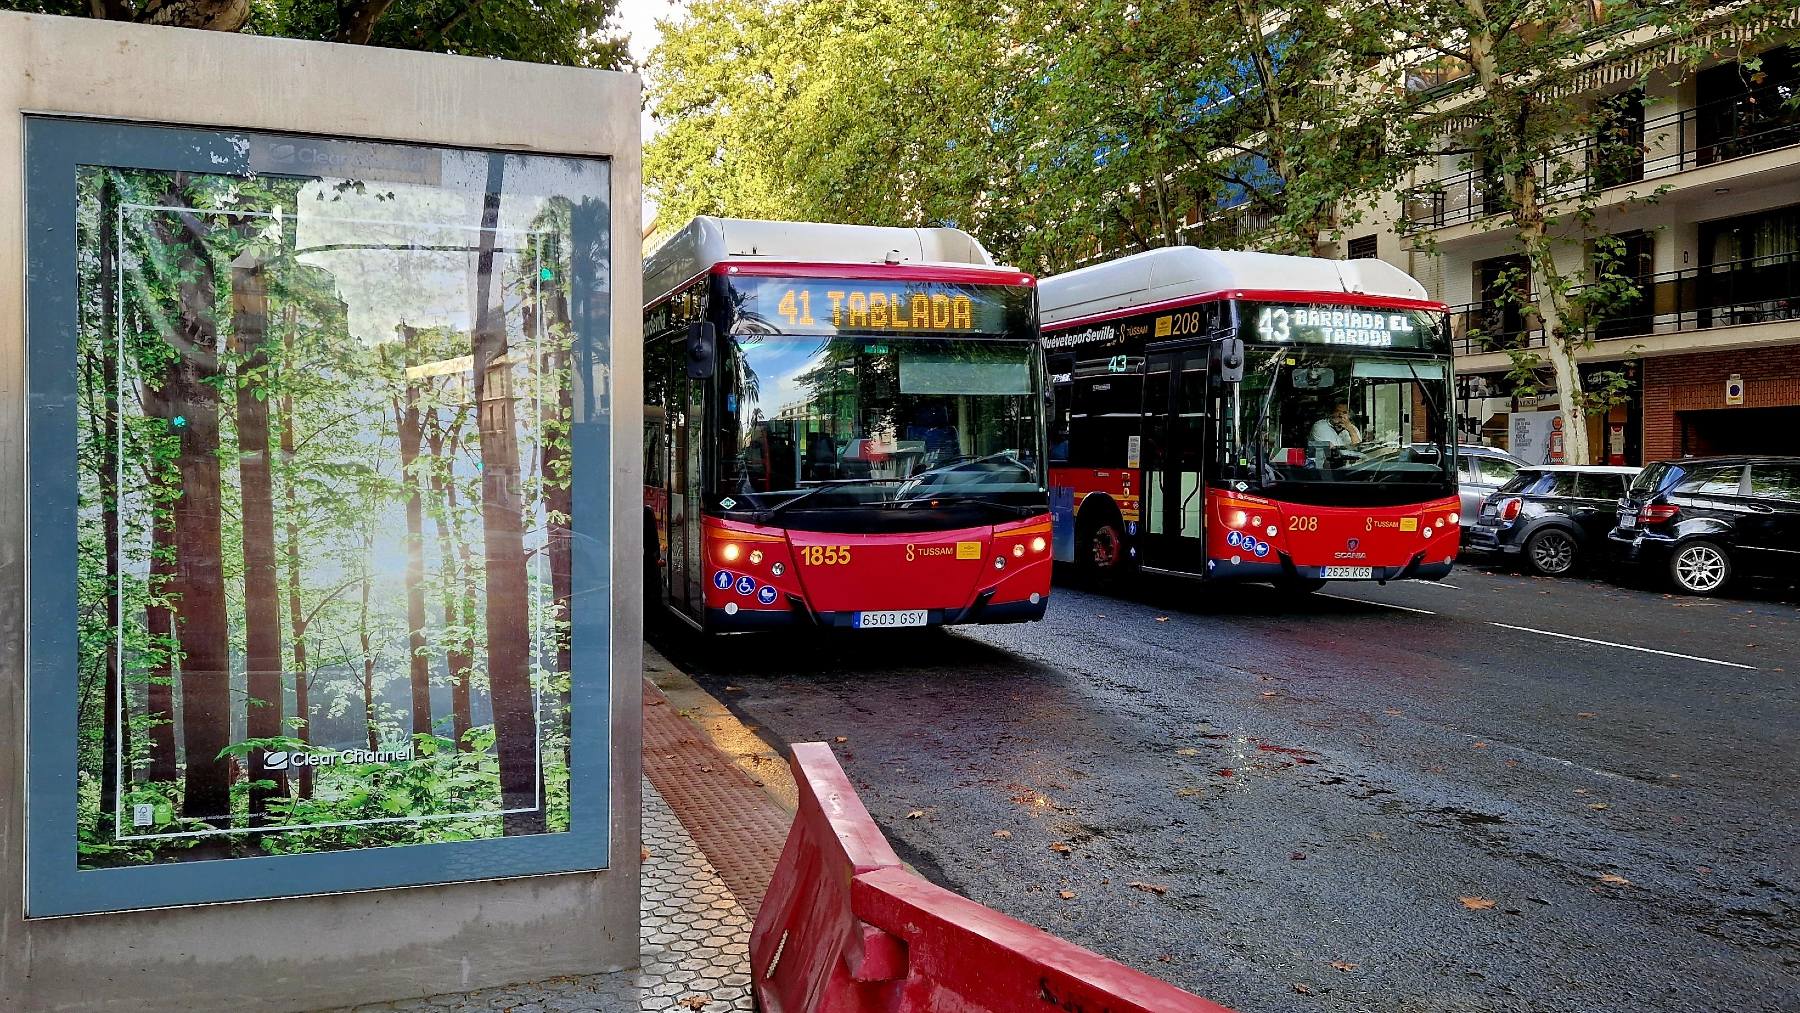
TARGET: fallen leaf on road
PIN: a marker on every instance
(1476, 903)
(1615, 880)
(1154, 888)
(1162, 619)
(1188, 751)
(1479, 745)
(1303, 989)
(658, 703)
(697, 1001)
(1393, 712)
(1003, 833)
(1298, 856)
(1268, 692)
(1344, 965)
(1587, 714)
(1061, 848)
(1376, 835)
(643, 854)
(842, 738)
(1066, 894)
(1189, 792)
(916, 814)
(1227, 772)
(1512, 763)
(705, 769)
(734, 689)
(1598, 805)
(1581, 791)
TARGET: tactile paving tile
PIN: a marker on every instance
(737, 824)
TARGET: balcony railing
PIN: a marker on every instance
(1759, 290)
(1670, 144)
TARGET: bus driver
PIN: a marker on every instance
(1336, 431)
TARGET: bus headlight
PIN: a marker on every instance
(731, 552)
(1038, 544)
(1018, 550)
(1456, 518)
(1236, 519)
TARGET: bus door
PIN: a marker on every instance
(687, 498)
(1174, 453)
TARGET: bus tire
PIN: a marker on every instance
(1100, 551)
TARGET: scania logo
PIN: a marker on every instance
(1352, 544)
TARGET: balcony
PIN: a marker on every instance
(1758, 291)
(1688, 139)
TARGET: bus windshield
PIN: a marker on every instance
(1323, 418)
(846, 421)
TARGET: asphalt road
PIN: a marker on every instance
(1501, 793)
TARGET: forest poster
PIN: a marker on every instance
(323, 550)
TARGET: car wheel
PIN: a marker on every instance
(1551, 552)
(1700, 567)
(1100, 549)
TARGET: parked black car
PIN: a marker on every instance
(1551, 517)
(1707, 520)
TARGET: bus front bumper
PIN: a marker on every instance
(983, 610)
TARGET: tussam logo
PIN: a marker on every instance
(281, 759)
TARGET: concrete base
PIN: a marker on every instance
(354, 948)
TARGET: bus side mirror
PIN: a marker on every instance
(1231, 360)
(701, 344)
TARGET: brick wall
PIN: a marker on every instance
(1678, 383)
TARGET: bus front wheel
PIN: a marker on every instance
(1100, 548)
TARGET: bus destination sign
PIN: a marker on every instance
(828, 306)
(1364, 327)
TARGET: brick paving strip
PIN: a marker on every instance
(712, 835)
(729, 814)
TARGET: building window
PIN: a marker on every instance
(1364, 247)
(1617, 156)
(1750, 268)
(1740, 112)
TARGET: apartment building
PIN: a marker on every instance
(1704, 194)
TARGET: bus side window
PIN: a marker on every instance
(1106, 410)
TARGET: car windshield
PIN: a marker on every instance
(1331, 418)
(850, 421)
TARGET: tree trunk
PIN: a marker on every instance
(508, 590)
(555, 414)
(406, 418)
(458, 654)
(203, 625)
(1512, 118)
(159, 615)
(110, 745)
(265, 694)
(296, 616)
(368, 656)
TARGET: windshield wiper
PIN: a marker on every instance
(1430, 402)
(830, 483)
(952, 499)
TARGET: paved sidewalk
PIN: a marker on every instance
(695, 944)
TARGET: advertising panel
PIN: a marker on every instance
(323, 441)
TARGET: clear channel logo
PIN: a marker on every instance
(282, 759)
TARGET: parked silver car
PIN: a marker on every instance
(1479, 472)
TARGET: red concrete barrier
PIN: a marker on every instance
(846, 928)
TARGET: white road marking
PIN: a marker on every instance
(1383, 604)
(1622, 647)
(1433, 583)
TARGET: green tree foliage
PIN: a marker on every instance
(1053, 130)
(1541, 81)
(569, 32)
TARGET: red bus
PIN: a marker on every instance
(1250, 417)
(844, 427)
